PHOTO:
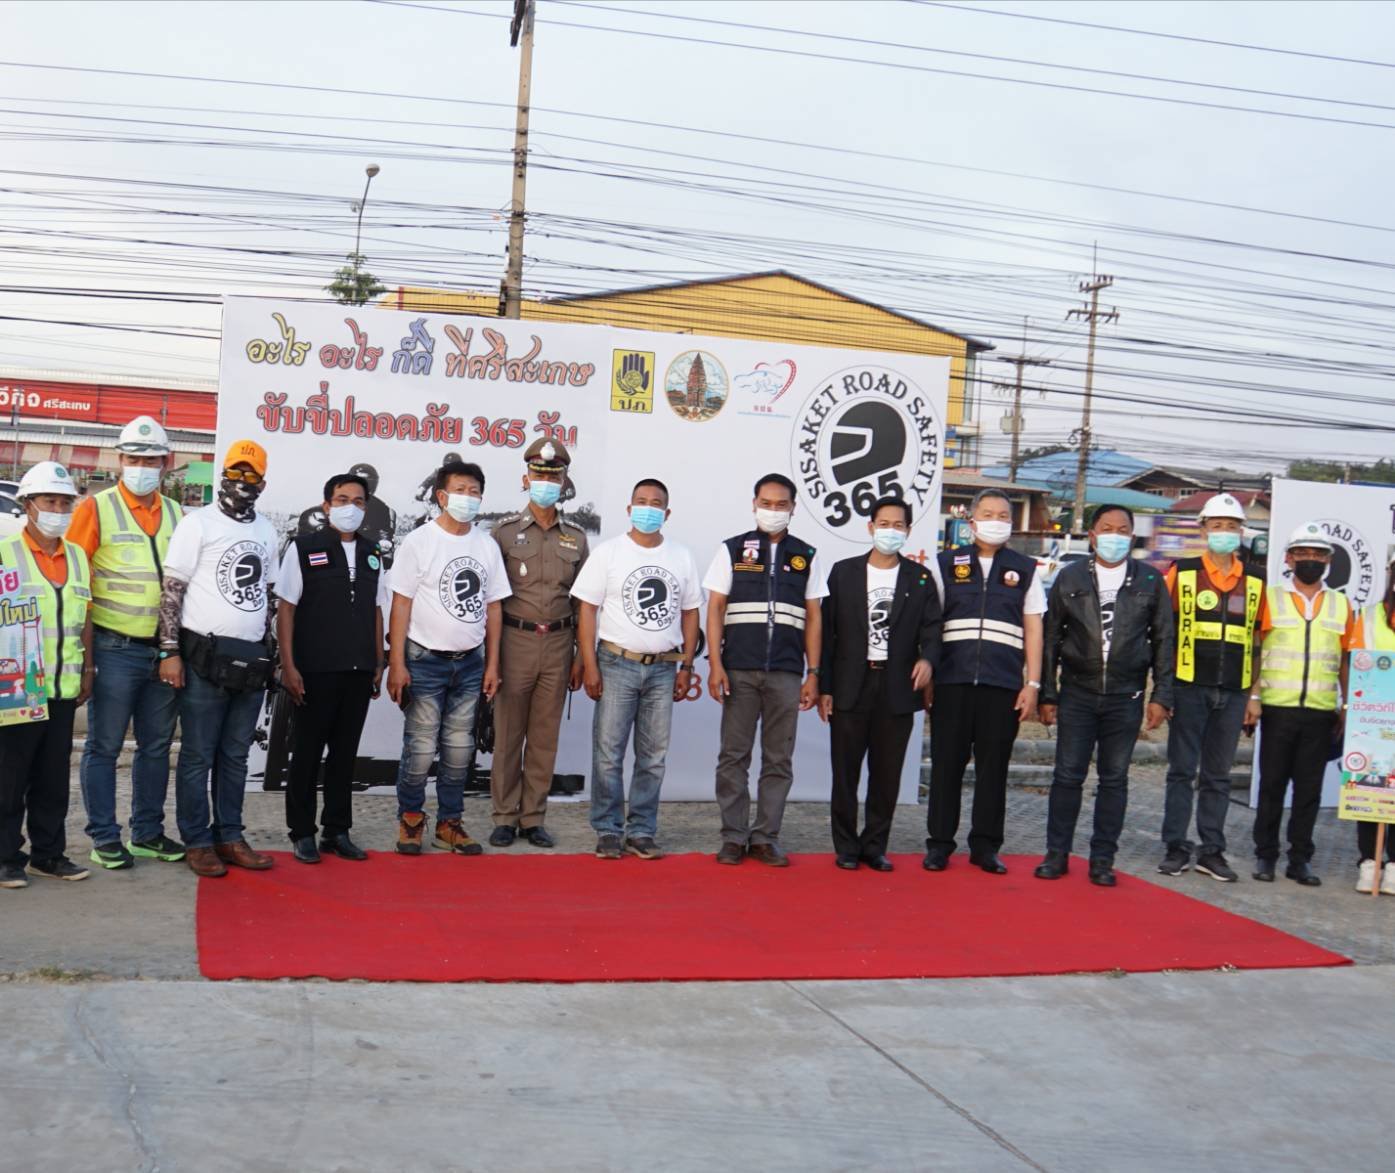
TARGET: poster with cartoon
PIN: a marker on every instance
(1368, 752)
(22, 693)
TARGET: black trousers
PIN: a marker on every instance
(34, 765)
(868, 731)
(977, 720)
(335, 708)
(1293, 744)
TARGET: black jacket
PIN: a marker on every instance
(913, 633)
(1142, 638)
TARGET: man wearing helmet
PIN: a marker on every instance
(34, 754)
(125, 532)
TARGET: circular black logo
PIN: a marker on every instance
(240, 574)
(461, 589)
(650, 598)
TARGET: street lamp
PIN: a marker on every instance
(371, 170)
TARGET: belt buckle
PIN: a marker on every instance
(542, 628)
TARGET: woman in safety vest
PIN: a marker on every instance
(1376, 633)
(50, 576)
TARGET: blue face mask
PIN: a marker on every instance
(1113, 548)
(1222, 543)
(646, 518)
(888, 541)
(544, 494)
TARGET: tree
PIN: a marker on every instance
(1043, 450)
(1382, 472)
(353, 285)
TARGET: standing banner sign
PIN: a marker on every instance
(328, 388)
(23, 697)
(1368, 755)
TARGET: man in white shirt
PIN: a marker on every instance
(215, 615)
(448, 579)
(640, 596)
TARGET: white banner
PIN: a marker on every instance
(1359, 521)
(327, 388)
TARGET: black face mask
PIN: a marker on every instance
(1309, 570)
(238, 499)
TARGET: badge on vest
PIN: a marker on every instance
(317, 558)
(566, 540)
(751, 552)
(797, 562)
(373, 562)
(1011, 578)
(1207, 600)
(961, 571)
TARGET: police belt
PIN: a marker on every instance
(540, 628)
(673, 657)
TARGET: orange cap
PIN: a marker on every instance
(246, 452)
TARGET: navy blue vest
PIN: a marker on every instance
(983, 620)
(335, 621)
(765, 611)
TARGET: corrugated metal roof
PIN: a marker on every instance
(1104, 467)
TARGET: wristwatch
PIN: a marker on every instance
(166, 653)
(686, 667)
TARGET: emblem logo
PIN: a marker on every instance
(879, 617)
(1362, 661)
(696, 385)
(1207, 600)
(461, 589)
(762, 387)
(239, 576)
(650, 598)
(961, 571)
(798, 562)
(1011, 578)
(1383, 663)
(374, 562)
(1355, 762)
(632, 381)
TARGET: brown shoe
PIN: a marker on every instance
(204, 861)
(731, 853)
(240, 855)
(451, 836)
(770, 854)
(411, 828)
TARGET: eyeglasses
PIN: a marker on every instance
(247, 478)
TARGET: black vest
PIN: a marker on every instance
(1215, 643)
(982, 634)
(765, 611)
(334, 620)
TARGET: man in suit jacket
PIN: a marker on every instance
(881, 631)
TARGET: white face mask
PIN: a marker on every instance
(52, 525)
(462, 506)
(772, 521)
(139, 480)
(346, 518)
(993, 533)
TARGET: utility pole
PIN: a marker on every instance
(520, 35)
(1019, 361)
(1095, 316)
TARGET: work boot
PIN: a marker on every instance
(452, 837)
(411, 828)
(204, 861)
(241, 855)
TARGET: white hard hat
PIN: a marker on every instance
(48, 476)
(143, 436)
(1308, 534)
(1222, 505)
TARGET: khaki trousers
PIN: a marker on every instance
(527, 716)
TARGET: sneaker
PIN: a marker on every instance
(1366, 877)
(111, 856)
(644, 847)
(452, 837)
(61, 868)
(609, 847)
(12, 876)
(162, 847)
(411, 828)
(1387, 883)
(1175, 862)
(1216, 867)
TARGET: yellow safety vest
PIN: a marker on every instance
(1376, 635)
(1191, 585)
(1302, 662)
(62, 612)
(127, 565)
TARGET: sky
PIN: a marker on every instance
(966, 163)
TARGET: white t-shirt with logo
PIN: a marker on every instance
(290, 585)
(229, 566)
(451, 579)
(1110, 580)
(881, 591)
(641, 591)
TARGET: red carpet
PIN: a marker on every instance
(574, 918)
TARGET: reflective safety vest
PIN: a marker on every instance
(1215, 628)
(127, 565)
(62, 612)
(1376, 634)
(1303, 657)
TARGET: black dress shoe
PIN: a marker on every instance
(539, 837)
(304, 850)
(1264, 871)
(1303, 874)
(342, 846)
(879, 863)
(1053, 867)
(936, 860)
(1102, 873)
(503, 836)
(990, 863)
(847, 861)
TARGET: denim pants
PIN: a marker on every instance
(216, 728)
(440, 723)
(636, 697)
(1204, 732)
(1086, 721)
(127, 688)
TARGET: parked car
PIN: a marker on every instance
(11, 514)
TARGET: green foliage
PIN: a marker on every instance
(353, 285)
(1382, 472)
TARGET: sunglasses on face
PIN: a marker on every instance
(247, 478)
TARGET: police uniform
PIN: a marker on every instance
(538, 644)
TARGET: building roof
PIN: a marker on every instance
(1128, 498)
(1193, 502)
(1057, 470)
(968, 479)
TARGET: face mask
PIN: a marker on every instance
(646, 518)
(1112, 548)
(544, 494)
(888, 541)
(1222, 543)
(1309, 570)
(140, 480)
(238, 499)
(772, 521)
(462, 506)
(346, 518)
(52, 525)
(993, 533)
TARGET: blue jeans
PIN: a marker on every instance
(1202, 736)
(635, 697)
(440, 721)
(216, 728)
(126, 687)
(1084, 721)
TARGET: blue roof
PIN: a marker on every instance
(1057, 471)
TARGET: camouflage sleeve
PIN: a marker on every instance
(172, 593)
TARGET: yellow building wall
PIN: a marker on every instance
(775, 307)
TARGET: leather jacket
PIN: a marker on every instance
(1142, 637)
